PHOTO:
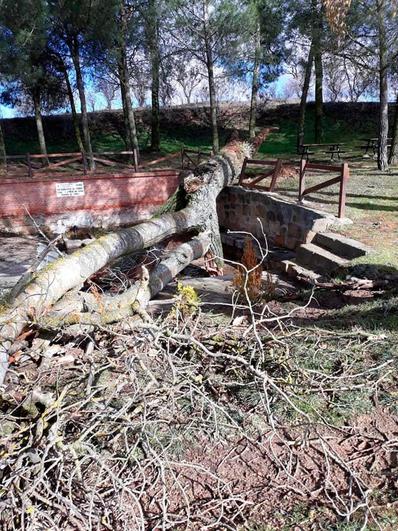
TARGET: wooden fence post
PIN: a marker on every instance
(345, 175)
(242, 173)
(84, 162)
(135, 156)
(29, 162)
(275, 175)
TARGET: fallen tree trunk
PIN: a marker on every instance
(86, 309)
(201, 186)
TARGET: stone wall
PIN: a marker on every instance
(285, 224)
(57, 203)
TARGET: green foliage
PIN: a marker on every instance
(188, 300)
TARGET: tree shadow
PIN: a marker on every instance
(371, 310)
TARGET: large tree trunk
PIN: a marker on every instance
(75, 52)
(382, 158)
(303, 100)
(40, 129)
(75, 118)
(255, 83)
(393, 160)
(317, 50)
(210, 76)
(128, 113)
(153, 45)
(213, 103)
(124, 81)
(318, 97)
(201, 186)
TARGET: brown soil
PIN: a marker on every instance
(266, 478)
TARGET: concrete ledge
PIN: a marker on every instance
(341, 245)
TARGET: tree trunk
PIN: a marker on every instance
(3, 155)
(124, 81)
(318, 96)
(153, 45)
(255, 83)
(303, 100)
(75, 52)
(128, 113)
(393, 160)
(202, 187)
(40, 129)
(75, 119)
(211, 80)
(382, 158)
(317, 50)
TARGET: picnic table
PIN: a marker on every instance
(372, 144)
(333, 150)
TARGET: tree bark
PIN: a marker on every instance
(303, 100)
(211, 80)
(84, 309)
(317, 50)
(124, 81)
(40, 129)
(153, 45)
(128, 113)
(318, 95)
(255, 83)
(382, 158)
(75, 119)
(201, 186)
(75, 52)
(393, 160)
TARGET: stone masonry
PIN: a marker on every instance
(285, 224)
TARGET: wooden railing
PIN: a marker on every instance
(251, 180)
(62, 160)
(342, 178)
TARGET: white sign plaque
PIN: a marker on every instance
(69, 189)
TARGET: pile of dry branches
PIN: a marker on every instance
(193, 421)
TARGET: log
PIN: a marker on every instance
(201, 186)
(85, 309)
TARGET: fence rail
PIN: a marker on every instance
(106, 158)
(38, 165)
(344, 174)
(251, 180)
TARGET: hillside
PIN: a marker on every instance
(189, 125)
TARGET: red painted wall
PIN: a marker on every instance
(110, 192)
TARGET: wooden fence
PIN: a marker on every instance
(251, 180)
(38, 165)
(342, 178)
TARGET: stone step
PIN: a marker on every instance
(294, 270)
(236, 241)
(340, 245)
(318, 259)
